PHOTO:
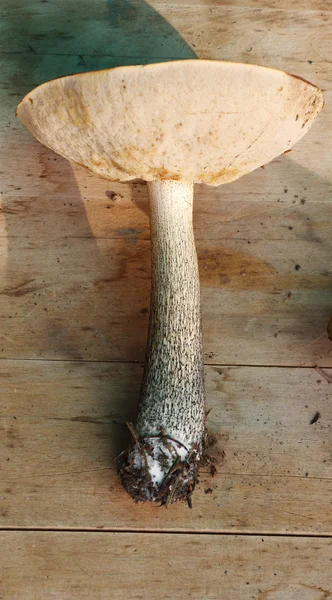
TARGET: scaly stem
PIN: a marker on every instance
(172, 393)
(171, 417)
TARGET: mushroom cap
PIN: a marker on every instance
(194, 120)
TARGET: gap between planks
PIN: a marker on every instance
(201, 532)
(138, 362)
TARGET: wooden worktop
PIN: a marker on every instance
(74, 310)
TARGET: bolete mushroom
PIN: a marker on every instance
(171, 124)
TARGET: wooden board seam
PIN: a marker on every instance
(202, 532)
(133, 362)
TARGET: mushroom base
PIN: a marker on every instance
(160, 469)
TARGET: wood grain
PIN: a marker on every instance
(63, 424)
(74, 287)
(76, 276)
(93, 237)
(287, 6)
(41, 41)
(74, 566)
(209, 29)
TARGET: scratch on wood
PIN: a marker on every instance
(22, 289)
(96, 421)
(81, 568)
(299, 515)
(324, 374)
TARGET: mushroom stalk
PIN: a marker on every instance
(171, 418)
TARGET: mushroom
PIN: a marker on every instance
(171, 124)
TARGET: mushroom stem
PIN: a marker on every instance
(171, 416)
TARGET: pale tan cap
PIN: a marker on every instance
(194, 120)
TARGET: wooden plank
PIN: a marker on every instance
(219, 214)
(91, 28)
(75, 273)
(240, 314)
(23, 69)
(47, 40)
(286, 5)
(38, 565)
(63, 424)
(171, 30)
(88, 36)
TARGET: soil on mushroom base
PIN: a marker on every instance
(181, 478)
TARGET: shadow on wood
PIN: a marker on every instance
(46, 42)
